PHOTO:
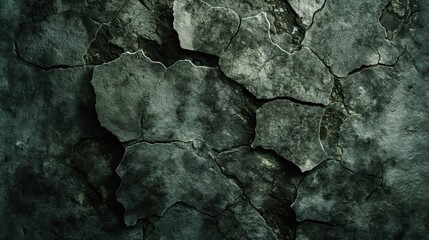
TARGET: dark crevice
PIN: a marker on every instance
(333, 117)
(364, 67)
(323, 62)
(314, 15)
(101, 49)
(286, 21)
(171, 52)
(397, 17)
(135, 142)
(320, 222)
(294, 100)
(235, 34)
(96, 159)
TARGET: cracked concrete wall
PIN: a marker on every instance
(215, 119)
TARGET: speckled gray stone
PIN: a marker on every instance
(184, 103)
(306, 9)
(268, 181)
(285, 30)
(332, 202)
(358, 38)
(101, 11)
(382, 139)
(47, 43)
(156, 176)
(292, 130)
(253, 60)
(121, 87)
(135, 21)
(184, 222)
(204, 28)
(242, 221)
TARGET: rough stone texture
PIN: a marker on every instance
(101, 11)
(44, 114)
(183, 222)
(359, 39)
(242, 221)
(306, 9)
(156, 176)
(120, 87)
(135, 21)
(59, 172)
(47, 43)
(292, 130)
(204, 28)
(182, 103)
(285, 30)
(267, 181)
(383, 138)
(252, 57)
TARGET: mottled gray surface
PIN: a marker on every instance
(246, 222)
(267, 182)
(184, 222)
(347, 35)
(306, 9)
(48, 43)
(383, 138)
(285, 29)
(351, 76)
(101, 11)
(135, 21)
(252, 60)
(151, 105)
(292, 130)
(121, 86)
(204, 28)
(156, 176)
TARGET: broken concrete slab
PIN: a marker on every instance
(156, 176)
(332, 202)
(47, 43)
(269, 183)
(357, 40)
(204, 28)
(252, 59)
(383, 139)
(285, 30)
(121, 86)
(292, 130)
(182, 103)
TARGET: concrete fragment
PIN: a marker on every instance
(358, 37)
(292, 130)
(204, 28)
(253, 60)
(184, 103)
(156, 176)
(121, 87)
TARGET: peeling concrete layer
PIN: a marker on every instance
(252, 57)
(204, 28)
(214, 119)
